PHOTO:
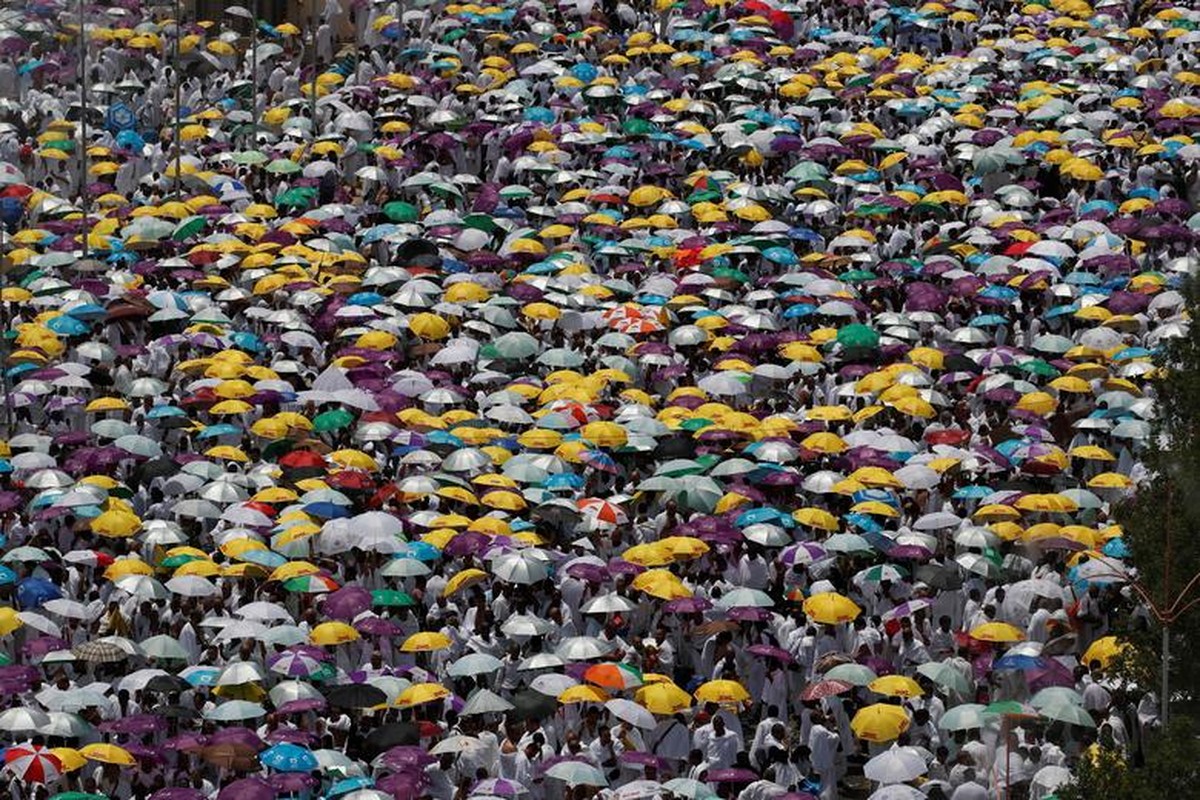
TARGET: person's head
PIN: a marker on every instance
(718, 724)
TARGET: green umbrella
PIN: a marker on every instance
(636, 126)
(961, 717)
(858, 336)
(333, 420)
(1037, 366)
(857, 276)
(66, 145)
(249, 157)
(515, 345)
(855, 674)
(731, 274)
(515, 192)
(175, 562)
(699, 493)
(78, 796)
(283, 166)
(189, 228)
(1069, 713)
(391, 597)
(945, 676)
(482, 222)
(300, 196)
(695, 424)
(1006, 708)
(400, 211)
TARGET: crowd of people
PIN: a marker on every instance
(567, 400)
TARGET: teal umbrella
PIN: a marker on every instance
(858, 336)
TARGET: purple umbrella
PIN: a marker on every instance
(178, 793)
(402, 785)
(731, 775)
(405, 757)
(770, 651)
(242, 736)
(347, 603)
(248, 789)
(138, 724)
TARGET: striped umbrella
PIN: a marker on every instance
(32, 763)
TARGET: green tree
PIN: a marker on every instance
(1172, 770)
(1161, 522)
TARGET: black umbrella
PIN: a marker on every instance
(532, 705)
(355, 695)
(391, 735)
(165, 684)
(157, 468)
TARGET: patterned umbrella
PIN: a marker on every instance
(32, 763)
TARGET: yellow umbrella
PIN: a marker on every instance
(1047, 503)
(116, 524)
(722, 691)
(108, 754)
(1104, 650)
(70, 758)
(650, 554)
(583, 693)
(831, 608)
(604, 434)
(425, 642)
(9, 621)
(330, 633)
(661, 584)
(997, 632)
(429, 326)
(663, 697)
(420, 693)
(825, 442)
(879, 723)
(354, 459)
(896, 686)
(817, 518)
(461, 580)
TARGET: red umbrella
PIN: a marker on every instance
(828, 688)
(32, 763)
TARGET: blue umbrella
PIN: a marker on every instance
(220, 429)
(327, 510)
(766, 514)
(421, 551)
(33, 592)
(1018, 662)
(288, 757)
(67, 326)
(8, 576)
(1117, 548)
(348, 785)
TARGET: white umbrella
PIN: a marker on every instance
(895, 765)
(519, 568)
(581, 648)
(474, 664)
(21, 720)
(631, 712)
(454, 745)
(608, 604)
(192, 586)
(552, 684)
(485, 702)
